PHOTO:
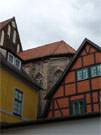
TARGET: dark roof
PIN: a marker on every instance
(55, 87)
(19, 73)
(52, 49)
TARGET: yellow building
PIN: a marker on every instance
(18, 94)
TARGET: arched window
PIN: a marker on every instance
(57, 74)
(39, 79)
(2, 38)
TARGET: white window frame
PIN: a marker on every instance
(18, 101)
(95, 70)
(82, 74)
(16, 59)
(8, 58)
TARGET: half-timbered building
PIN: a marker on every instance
(78, 91)
(9, 36)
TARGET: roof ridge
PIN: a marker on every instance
(42, 46)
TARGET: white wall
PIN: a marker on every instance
(77, 127)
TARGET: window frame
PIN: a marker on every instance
(16, 59)
(8, 56)
(96, 70)
(90, 72)
(73, 107)
(19, 103)
(82, 74)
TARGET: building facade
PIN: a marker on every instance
(78, 92)
(19, 96)
(46, 64)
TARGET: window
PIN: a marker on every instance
(9, 30)
(17, 63)
(14, 61)
(18, 102)
(10, 58)
(14, 36)
(77, 107)
(82, 74)
(2, 38)
(96, 70)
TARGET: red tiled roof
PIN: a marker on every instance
(56, 48)
(4, 23)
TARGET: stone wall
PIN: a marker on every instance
(46, 72)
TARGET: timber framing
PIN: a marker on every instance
(62, 82)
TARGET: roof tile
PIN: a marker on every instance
(56, 48)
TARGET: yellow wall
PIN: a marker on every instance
(8, 83)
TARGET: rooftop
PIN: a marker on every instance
(52, 49)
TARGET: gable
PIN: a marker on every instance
(9, 36)
(69, 88)
(86, 57)
(87, 54)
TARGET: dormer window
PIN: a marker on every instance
(17, 63)
(14, 61)
(2, 38)
(9, 30)
(10, 58)
(14, 36)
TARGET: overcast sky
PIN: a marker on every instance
(44, 21)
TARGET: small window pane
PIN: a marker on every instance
(85, 73)
(77, 107)
(93, 71)
(96, 70)
(17, 63)
(99, 69)
(79, 75)
(10, 58)
(18, 102)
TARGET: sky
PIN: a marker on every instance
(45, 21)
